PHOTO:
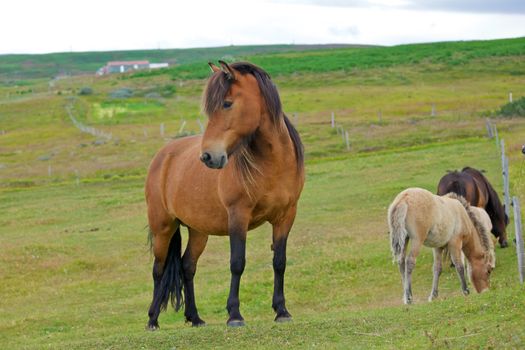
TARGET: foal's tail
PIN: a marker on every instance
(172, 278)
(397, 213)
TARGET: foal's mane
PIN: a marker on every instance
(213, 99)
(483, 234)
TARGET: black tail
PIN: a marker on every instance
(297, 143)
(172, 278)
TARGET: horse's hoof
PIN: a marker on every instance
(283, 319)
(504, 244)
(199, 323)
(466, 292)
(152, 327)
(235, 323)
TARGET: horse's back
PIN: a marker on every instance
(430, 219)
(419, 204)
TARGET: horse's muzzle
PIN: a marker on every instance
(214, 161)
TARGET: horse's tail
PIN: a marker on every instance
(397, 224)
(170, 287)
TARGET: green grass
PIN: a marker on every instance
(448, 54)
(75, 270)
(17, 68)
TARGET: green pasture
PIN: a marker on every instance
(75, 269)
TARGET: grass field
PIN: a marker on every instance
(75, 270)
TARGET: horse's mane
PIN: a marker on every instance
(213, 98)
(482, 231)
(494, 207)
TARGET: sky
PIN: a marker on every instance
(38, 26)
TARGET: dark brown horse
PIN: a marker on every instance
(477, 190)
(247, 169)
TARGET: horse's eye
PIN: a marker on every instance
(227, 104)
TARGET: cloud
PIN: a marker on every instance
(472, 6)
(348, 31)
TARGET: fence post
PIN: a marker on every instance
(162, 129)
(380, 116)
(182, 127)
(496, 134)
(505, 171)
(510, 96)
(433, 113)
(489, 129)
(519, 238)
(333, 120)
(200, 125)
(347, 141)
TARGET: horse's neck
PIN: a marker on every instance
(272, 142)
(472, 246)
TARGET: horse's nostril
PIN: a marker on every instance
(205, 157)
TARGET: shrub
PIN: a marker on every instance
(85, 91)
(513, 109)
(121, 93)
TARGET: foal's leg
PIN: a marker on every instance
(196, 244)
(237, 228)
(456, 257)
(279, 239)
(401, 264)
(410, 264)
(438, 252)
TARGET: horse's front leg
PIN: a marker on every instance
(457, 259)
(237, 228)
(280, 237)
(438, 252)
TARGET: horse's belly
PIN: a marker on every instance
(438, 236)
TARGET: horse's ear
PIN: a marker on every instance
(213, 67)
(230, 74)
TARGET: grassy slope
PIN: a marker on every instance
(25, 66)
(74, 266)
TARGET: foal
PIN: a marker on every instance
(438, 222)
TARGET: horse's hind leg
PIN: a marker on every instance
(279, 240)
(196, 244)
(402, 268)
(410, 264)
(161, 242)
(438, 252)
(456, 257)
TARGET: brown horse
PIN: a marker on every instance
(247, 169)
(449, 222)
(477, 190)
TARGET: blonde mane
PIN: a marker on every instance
(483, 234)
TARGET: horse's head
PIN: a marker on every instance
(480, 270)
(234, 104)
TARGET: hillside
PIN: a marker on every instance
(13, 67)
(75, 270)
